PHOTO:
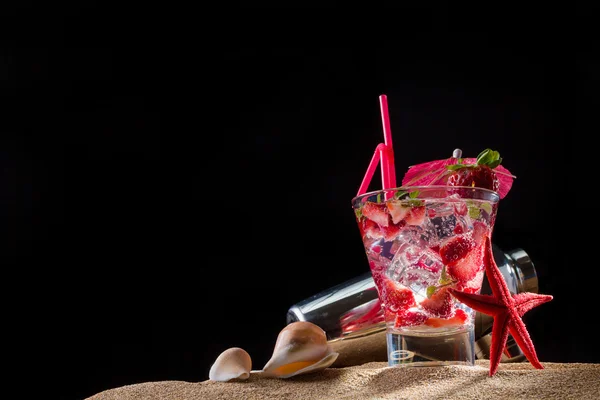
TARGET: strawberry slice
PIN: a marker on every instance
(376, 212)
(403, 211)
(391, 232)
(416, 215)
(411, 317)
(461, 208)
(459, 318)
(397, 297)
(439, 304)
(480, 231)
(458, 228)
(377, 277)
(467, 267)
(398, 210)
(370, 229)
(456, 248)
(362, 225)
(389, 316)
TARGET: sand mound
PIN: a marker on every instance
(377, 381)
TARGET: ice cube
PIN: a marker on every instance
(413, 246)
(444, 225)
(417, 280)
(430, 261)
(424, 235)
(440, 209)
(465, 222)
(415, 264)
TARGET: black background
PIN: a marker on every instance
(172, 182)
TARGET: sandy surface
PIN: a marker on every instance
(377, 381)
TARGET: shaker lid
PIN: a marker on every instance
(527, 276)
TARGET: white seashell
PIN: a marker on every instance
(301, 348)
(233, 363)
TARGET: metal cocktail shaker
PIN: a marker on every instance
(351, 315)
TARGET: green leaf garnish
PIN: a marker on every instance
(430, 291)
(490, 158)
(487, 207)
(444, 278)
(487, 157)
(413, 202)
(358, 213)
(399, 194)
(444, 281)
(474, 211)
(476, 207)
(494, 164)
(455, 167)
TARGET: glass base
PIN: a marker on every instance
(454, 347)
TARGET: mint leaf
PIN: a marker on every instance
(399, 194)
(444, 278)
(487, 207)
(489, 157)
(474, 212)
(456, 167)
(476, 207)
(430, 291)
(358, 213)
(414, 203)
(494, 164)
(483, 157)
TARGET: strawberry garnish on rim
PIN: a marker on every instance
(479, 173)
(438, 172)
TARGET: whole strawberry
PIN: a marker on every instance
(481, 174)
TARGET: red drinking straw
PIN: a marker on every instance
(387, 137)
(384, 154)
(364, 186)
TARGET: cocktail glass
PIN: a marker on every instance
(419, 242)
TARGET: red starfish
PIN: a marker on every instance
(507, 310)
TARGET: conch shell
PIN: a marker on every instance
(233, 363)
(301, 348)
